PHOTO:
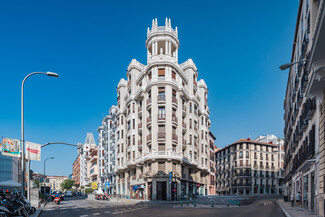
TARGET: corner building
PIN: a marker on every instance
(162, 124)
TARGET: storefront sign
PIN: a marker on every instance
(10, 147)
(33, 151)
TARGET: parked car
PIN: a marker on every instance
(68, 194)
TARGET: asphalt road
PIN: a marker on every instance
(73, 207)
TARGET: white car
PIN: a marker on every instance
(68, 193)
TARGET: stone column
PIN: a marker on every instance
(168, 191)
(186, 190)
(169, 48)
(156, 47)
(176, 55)
(152, 48)
(154, 190)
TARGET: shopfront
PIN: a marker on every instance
(137, 191)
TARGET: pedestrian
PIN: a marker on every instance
(292, 198)
(298, 198)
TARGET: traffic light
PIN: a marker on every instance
(80, 148)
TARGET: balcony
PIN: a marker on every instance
(174, 138)
(174, 119)
(184, 127)
(161, 135)
(149, 120)
(149, 138)
(184, 144)
(174, 101)
(140, 128)
(184, 110)
(148, 103)
(195, 84)
(140, 144)
(161, 98)
(161, 117)
(140, 111)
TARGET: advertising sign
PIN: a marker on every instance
(33, 151)
(10, 147)
(94, 185)
(107, 185)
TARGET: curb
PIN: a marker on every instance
(283, 210)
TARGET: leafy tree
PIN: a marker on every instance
(82, 187)
(37, 182)
(67, 184)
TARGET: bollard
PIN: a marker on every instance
(181, 203)
(238, 202)
(211, 203)
(195, 203)
(187, 202)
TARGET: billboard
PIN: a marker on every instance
(33, 151)
(10, 147)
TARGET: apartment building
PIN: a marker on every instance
(212, 165)
(55, 182)
(304, 109)
(247, 167)
(107, 154)
(92, 165)
(280, 156)
(88, 147)
(162, 124)
(76, 171)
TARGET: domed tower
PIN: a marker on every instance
(162, 42)
(162, 123)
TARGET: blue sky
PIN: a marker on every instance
(237, 47)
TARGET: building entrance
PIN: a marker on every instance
(161, 190)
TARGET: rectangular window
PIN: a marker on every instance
(161, 165)
(161, 93)
(161, 72)
(161, 113)
(174, 75)
(133, 123)
(161, 147)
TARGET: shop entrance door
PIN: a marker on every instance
(173, 191)
(161, 191)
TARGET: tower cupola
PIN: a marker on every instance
(162, 41)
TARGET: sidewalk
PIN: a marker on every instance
(290, 211)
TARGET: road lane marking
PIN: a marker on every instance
(127, 210)
(97, 213)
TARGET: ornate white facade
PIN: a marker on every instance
(107, 154)
(85, 159)
(162, 123)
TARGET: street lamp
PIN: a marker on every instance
(288, 65)
(49, 158)
(51, 74)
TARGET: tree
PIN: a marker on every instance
(67, 184)
(37, 183)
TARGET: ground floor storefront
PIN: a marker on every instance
(161, 187)
(302, 188)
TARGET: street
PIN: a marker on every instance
(86, 207)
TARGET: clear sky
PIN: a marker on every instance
(237, 47)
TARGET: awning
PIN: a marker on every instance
(10, 183)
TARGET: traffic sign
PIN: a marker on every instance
(174, 190)
(198, 185)
(94, 185)
(107, 185)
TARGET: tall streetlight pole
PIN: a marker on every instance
(49, 158)
(288, 65)
(51, 74)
